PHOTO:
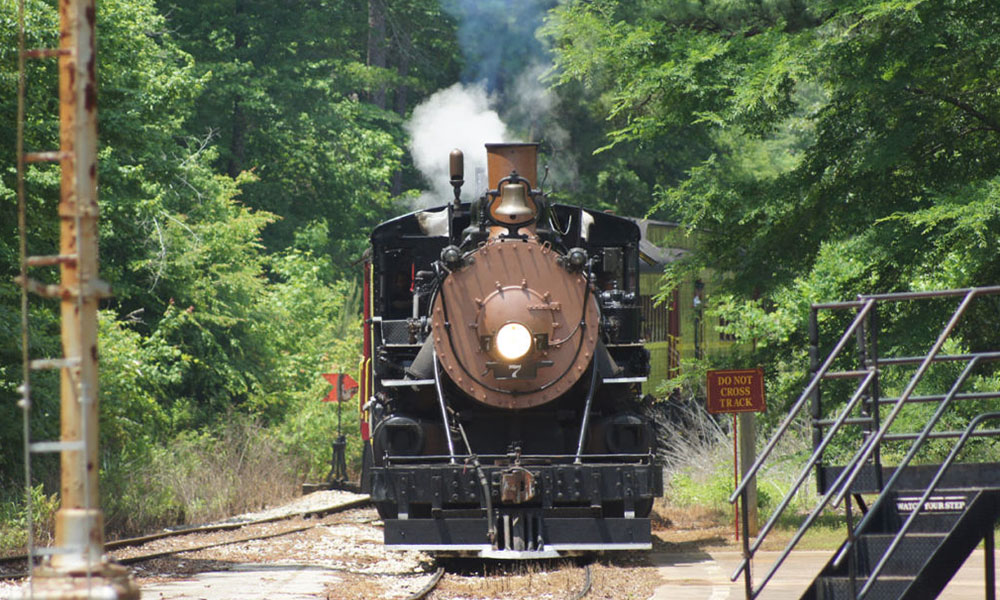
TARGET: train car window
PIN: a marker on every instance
(725, 337)
(657, 325)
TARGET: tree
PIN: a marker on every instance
(821, 121)
(300, 96)
(833, 148)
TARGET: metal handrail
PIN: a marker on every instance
(858, 463)
(443, 405)
(797, 407)
(901, 296)
(803, 475)
(849, 474)
(938, 476)
(914, 448)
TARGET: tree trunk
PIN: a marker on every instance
(377, 46)
(402, 96)
(237, 143)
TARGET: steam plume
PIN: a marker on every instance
(456, 117)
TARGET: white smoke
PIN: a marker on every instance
(534, 108)
(456, 117)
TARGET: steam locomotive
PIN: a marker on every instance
(502, 374)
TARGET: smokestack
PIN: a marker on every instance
(501, 159)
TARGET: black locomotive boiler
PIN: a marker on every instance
(502, 374)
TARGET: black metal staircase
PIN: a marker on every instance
(917, 562)
(926, 514)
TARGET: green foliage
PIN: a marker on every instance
(820, 149)
(695, 487)
(231, 294)
(235, 467)
(14, 521)
(284, 100)
(136, 375)
(832, 149)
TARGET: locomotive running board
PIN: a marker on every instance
(486, 551)
(558, 534)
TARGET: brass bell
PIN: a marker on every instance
(514, 206)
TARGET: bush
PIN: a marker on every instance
(14, 521)
(198, 477)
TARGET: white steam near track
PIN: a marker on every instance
(456, 117)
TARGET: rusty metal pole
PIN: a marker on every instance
(78, 522)
(78, 567)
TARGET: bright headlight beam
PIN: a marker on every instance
(513, 341)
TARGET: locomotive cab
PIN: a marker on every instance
(504, 372)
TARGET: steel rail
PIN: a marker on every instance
(588, 582)
(139, 540)
(153, 556)
(429, 587)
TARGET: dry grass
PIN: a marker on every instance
(686, 434)
(196, 479)
(698, 473)
(617, 575)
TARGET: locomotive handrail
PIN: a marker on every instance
(444, 407)
(568, 458)
(586, 412)
(406, 382)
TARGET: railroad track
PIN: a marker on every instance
(226, 526)
(431, 585)
(587, 583)
(427, 589)
(394, 579)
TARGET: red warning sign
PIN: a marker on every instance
(736, 390)
(344, 387)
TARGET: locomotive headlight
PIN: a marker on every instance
(513, 341)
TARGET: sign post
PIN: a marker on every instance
(344, 388)
(740, 392)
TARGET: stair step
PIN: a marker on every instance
(885, 588)
(924, 523)
(908, 558)
(916, 478)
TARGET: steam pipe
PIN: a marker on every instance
(586, 413)
(444, 409)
